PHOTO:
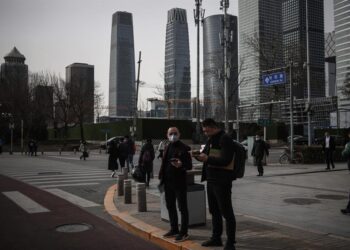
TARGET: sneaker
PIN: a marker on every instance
(212, 243)
(181, 237)
(113, 173)
(345, 211)
(171, 234)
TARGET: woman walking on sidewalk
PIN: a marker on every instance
(146, 160)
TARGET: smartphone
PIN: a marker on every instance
(173, 160)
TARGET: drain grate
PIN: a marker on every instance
(331, 197)
(73, 228)
(49, 173)
(301, 201)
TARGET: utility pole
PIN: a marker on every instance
(224, 4)
(291, 111)
(136, 97)
(198, 19)
(308, 76)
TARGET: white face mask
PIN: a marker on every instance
(173, 138)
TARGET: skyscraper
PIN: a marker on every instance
(80, 79)
(260, 50)
(342, 43)
(295, 44)
(177, 74)
(213, 67)
(122, 66)
(330, 64)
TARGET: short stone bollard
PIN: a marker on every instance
(125, 172)
(141, 197)
(127, 192)
(120, 184)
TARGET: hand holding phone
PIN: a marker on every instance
(176, 162)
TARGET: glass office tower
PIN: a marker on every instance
(122, 66)
(342, 43)
(213, 62)
(177, 74)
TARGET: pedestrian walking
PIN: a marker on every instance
(131, 151)
(217, 158)
(259, 151)
(84, 150)
(123, 153)
(172, 175)
(146, 160)
(346, 151)
(31, 145)
(113, 151)
(161, 147)
(328, 147)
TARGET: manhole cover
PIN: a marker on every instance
(49, 173)
(331, 197)
(73, 228)
(301, 201)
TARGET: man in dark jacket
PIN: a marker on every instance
(217, 157)
(146, 158)
(260, 148)
(328, 146)
(176, 160)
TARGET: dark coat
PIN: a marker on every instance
(147, 165)
(123, 150)
(260, 148)
(331, 143)
(178, 175)
(113, 151)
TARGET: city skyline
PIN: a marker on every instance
(45, 30)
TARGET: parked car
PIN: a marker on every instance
(299, 140)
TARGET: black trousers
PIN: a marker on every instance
(220, 205)
(259, 164)
(329, 157)
(171, 195)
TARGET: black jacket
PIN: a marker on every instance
(331, 143)
(222, 142)
(260, 148)
(147, 147)
(171, 175)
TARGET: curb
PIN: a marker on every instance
(143, 230)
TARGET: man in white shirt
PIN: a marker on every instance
(328, 147)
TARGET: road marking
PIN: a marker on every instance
(64, 177)
(74, 181)
(68, 185)
(72, 198)
(25, 202)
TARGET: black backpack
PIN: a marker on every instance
(240, 157)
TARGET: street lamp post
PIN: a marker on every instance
(11, 127)
(308, 75)
(224, 5)
(136, 97)
(198, 19)
(291, 111)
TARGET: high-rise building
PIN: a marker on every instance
(14, 94)
(213, 63)
(177, 73)
(260, 52)
(295, 44)
(342, 41)
(81, 82)
(122, 66)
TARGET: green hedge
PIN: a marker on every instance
(314, 154)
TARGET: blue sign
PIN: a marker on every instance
(274, 78)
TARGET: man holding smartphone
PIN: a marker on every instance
(172, 175)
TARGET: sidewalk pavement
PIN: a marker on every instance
(252, 233)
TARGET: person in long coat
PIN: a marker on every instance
(146, 158)
(113, 151)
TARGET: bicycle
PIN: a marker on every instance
(285, 158)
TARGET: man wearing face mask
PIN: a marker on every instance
(172, 175)
(260, 148)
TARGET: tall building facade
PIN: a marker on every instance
(177, 73)
(342, 41)
(122, 66)
(295, 44)
(213, 62)
(260, 51)
(81, 81)
(330, 64)
(14, 95)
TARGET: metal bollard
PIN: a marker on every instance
(120, 184)
(141, 197)
(125, 172)
(127, 192)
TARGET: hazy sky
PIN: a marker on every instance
(55, 33)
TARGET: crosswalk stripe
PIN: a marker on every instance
(27, 204)
(72, 198)
(68, 185)
(64, 177)
(67, 181)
